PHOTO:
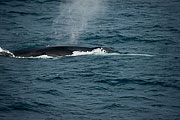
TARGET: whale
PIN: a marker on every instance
(55, 51)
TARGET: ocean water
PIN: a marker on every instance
(144, 85)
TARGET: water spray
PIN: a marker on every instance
(73, 19)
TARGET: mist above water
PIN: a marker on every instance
(75, 17)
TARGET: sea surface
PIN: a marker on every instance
(140, 86)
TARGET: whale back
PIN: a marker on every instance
(50, 51)
(54, 51)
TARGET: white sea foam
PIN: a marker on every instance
(98, 51)
(1, 50)
(6, 51)
(37, 57)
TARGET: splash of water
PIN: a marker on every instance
(73, 19)
(98, 51)
(38, 57)
(6, 52)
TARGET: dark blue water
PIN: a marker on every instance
(94, 87)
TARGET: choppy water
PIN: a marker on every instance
(95, 87)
